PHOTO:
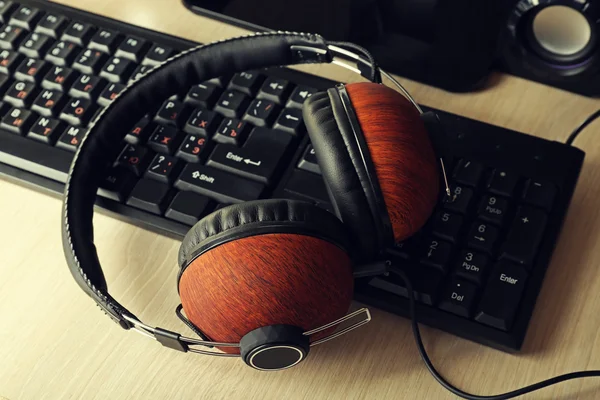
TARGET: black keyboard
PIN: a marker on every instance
(477, 266)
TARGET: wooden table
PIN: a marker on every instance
(55, 344)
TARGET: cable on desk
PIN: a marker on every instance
(581, 127)
(454, 389)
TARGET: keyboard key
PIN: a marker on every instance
(472, 266)
(117, 184)
(171, 113)
(6, 9)
(105, 40)
(164, 168)
(232, 131)
(62, 53)
(139, 72)
(87, 87)
(290, 120)
(447, 226)
(258, 160)
(493, 209)
(59, 78)
(132, 48)
(299, 96)
(117, 70)
(218, 185)
(261, 112)
(32, 70)
(194, 149)
(164, 139)
(502, 182)
(157, 54)
(204, 95)
(436, 254)
(307, 184)
(4, 83)
(460, 200)
(525, 236)
(150, 195)
(134, 158)
(458, 297)
(11, 37)
(202, 122)
(17, 121)
(247, 82)
(9, 61)
(232, 104)
(79, 33)
(46, 130)
(51, 25)
(502, 295)
(89, 61)
(139, 132)
(110, 93)
(425, 281)
(49, 102)
(21, 94)
(539, 193)
(221, 81)
(468, 172)
(309, 162)
(482, 236)
(275, 89)
(25, 17)
(188, 207)
(78, 111)
(35, 45)
(405, 249)
(71, 138)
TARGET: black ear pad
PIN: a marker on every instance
(260, 217)
(345, 175)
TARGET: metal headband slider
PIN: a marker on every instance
(363, 321)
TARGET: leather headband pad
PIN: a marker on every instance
(260, 217)
(100, 145)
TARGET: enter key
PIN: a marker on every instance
(258, 159)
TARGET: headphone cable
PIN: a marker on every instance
(454, 389)
(581, 127)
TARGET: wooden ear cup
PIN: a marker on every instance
(402, 153)
(266, 279)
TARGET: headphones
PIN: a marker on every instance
(266, 280)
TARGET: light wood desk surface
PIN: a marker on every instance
(55, 344)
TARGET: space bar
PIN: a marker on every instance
(35, 157)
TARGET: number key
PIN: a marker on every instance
(482, 236)
(89, 61)
(447, 225)
(10, 37)
(472, 266)
(35, 45)
(493, 209)
(460, 200)
(436, 254)
(117, 70)
(62, 53)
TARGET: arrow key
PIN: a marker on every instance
(290, 120)
(482, 236)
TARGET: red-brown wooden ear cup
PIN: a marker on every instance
(265, 263)
(400, 152)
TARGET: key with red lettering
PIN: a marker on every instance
(46, 130)
(194, 148)
(171, 113)
(202, 122)
(87, 87)
(232, 131)
(110, 93)
(32, 70)
(139, 132)
(134, 158)
(78, 111)
(59, 78)
(164, 139)
(164, 168)
(21, 94)
(17, 120)
(71, 138)
(49, 103)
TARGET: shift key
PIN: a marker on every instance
(219, 185)
(502, 295)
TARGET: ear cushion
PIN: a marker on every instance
(260, 217)
(341, 174)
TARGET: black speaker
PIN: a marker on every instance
(555, 42)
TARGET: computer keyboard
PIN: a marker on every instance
(478, 264)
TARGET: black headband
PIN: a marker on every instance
(97, 149)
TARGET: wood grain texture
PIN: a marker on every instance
(402, 154)
(265, 280)
(56, 344)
